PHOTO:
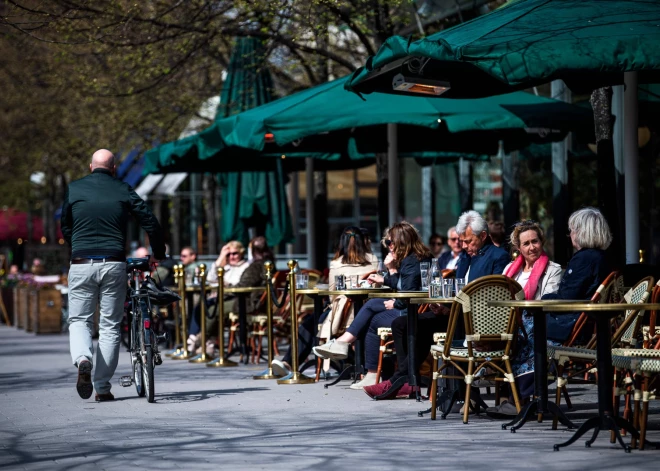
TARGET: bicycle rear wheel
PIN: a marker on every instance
(136, 358)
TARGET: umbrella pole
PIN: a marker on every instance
(309, 212)
(631, 166)
(392, 174)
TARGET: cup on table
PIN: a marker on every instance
(354, 281)
(302, 281)
(460, 284)
(448, 288)
(424, 271)
(435, 289)
(340, 282)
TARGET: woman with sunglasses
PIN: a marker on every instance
(232, 259)
(406, 252)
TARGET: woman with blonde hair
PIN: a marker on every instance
(407, 251)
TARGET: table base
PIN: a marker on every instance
(530, 410)
(602, 423)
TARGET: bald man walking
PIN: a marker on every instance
(95, 214)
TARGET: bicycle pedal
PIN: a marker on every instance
(125, 381)
(162, 337)
(157, 359)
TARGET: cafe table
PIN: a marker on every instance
(605, 420)
(407, 297)
(535, 308)
(242, 293)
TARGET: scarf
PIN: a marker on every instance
(537, 272)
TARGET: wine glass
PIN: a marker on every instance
(382, 269)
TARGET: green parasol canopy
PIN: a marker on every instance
(429, 127)
(254, 199)
(587, 43)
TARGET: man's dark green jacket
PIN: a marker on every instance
(95, 216)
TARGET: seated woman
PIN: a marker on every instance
(351, 258)
(406, 253)
(538, 276)
(590, 236)
(232, 259)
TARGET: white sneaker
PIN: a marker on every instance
(279, 368)
(332, 350)
(368, 380)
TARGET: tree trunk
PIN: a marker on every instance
(601, 102)
(209, 209)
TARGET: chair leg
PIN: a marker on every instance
(466, 406)
(567, 398)
(645, 413)
(498, 394)
(514, 389)
(434, 388)
(560, 377)
(276, 351)
(319, 363)
(638, 393)
(381, 353)
(616, 404)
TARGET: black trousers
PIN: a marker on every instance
(428, 323)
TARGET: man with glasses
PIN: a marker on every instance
(449, 260)
(189, 260)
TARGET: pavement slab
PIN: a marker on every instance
(220, 418)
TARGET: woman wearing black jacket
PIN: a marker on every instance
(406, 253)
(590, 236)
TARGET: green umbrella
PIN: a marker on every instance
(326, 115)
(255, 198)
(587, 43)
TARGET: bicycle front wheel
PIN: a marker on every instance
(148, 374)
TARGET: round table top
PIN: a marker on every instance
(428, 300)
(345, 292)
(536, 303)
(400, 295)
(595, 307)
(245, 289)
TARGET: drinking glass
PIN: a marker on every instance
(448, 288)
(302, 281)
(425, 279)
(460, 284)
(382, 269)
(354, 281)
(340, 283)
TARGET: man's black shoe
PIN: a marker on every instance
(84, 385)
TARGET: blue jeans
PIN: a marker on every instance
(368, 320)
(105, 284)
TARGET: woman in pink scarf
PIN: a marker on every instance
(534, 271)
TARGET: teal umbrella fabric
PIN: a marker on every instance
(428, 126)
(254, 199)
(587, 43)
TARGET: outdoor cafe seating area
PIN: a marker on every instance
(621, 355)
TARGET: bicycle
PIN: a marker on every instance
(142, 340)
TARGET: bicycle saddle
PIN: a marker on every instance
(141, 264)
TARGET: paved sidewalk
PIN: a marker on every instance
(206, 418)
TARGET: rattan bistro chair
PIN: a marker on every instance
(582, 359)
(489, 331)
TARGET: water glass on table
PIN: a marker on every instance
(448, 288)
(460, 284)
(424, 272)
(354, 281)
(340, 282)
(302, 281)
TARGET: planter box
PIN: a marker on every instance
(26, 301)
(8, 301)
(21, 304)
(46, 311)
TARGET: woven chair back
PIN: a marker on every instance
(486, 328)
(627, 332)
